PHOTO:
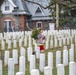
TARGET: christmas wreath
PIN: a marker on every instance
(35, 33)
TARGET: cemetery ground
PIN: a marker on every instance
(58, 43)
(5, 68)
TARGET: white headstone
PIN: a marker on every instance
(9, 44)
(10, 66)
(14, 36)
(65, 57)
(51, 43)
(64, 41)
(15, 56)
(58, 57)
(72, 68)
(68, 41)
(25, 41)
(56, 42)
(20, 42)
(60, 69)
(35, 72)
(60, 42)
(32, 62)
(47, 71)
(72, 47)
(3, 45)
(22, 51)
(65, 47)
(75, 43)
(50, 59)
(37, 52)
(42, 62)
(19, 73)
(29, 49)
(14, 44)
(22, 64)
(71, 54)
(35, 46)
(0, 67)
(71, 39)
(22, 37)
(47, 45)
(30, 42)
(6, 57)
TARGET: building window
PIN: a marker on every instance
(7, 7)
(16, 8)
(39, 25)
(8, 25)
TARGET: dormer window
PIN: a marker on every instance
(16, 8)
(38, 10)
(7, 6)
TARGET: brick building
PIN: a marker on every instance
(18, 15)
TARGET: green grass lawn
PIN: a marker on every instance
(5, 68)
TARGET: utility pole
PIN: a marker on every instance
(0, 20)
(57, 16)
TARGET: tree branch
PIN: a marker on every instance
(63, 3)
(28, 27)
(73, 1)
(50, 4)
(45, 7)
(1, 1)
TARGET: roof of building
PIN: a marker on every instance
(22, 8)
(12, 3)
(41, 11)
(28, 8)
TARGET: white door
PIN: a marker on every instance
(52, 26)
(7, 26)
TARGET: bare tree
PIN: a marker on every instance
(1, 1)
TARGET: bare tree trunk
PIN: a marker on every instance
(57, 16)
(0, 21)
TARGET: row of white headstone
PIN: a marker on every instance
(38, 55)
(55, 33)
(47, 70)
(60, 70)
(31, 58)
(37, 49)
(52, 44)
(56, 38)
